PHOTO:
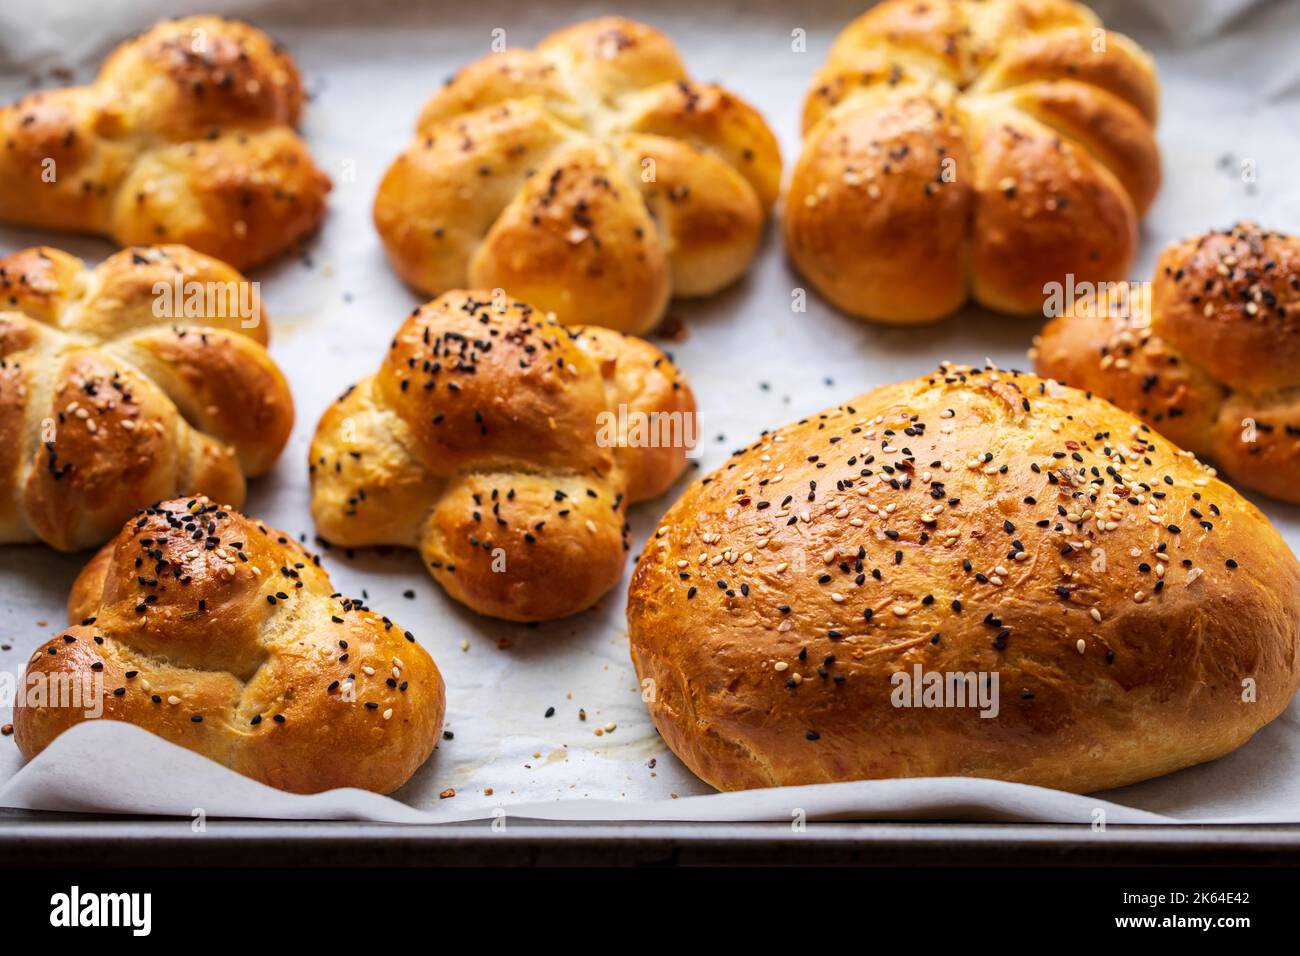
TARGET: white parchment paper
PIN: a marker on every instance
(1231, 142)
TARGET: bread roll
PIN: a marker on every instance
(589, 176)
(225, 636)
(140, 379)
(506, 448)
(991, 147)
(1212, 360)
(1121, 613)
(186, 136)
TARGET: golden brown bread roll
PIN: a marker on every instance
(141, 379)
(505, 447)
(1137, 614)
(186, 136)
(1215, 365)
(225, 636)
(589, 176)
(990, 146)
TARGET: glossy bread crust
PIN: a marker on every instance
(141, 379)
(186, 136)
(1140, 616)
(991, 147)
(589, 176)
(503, 446)
(1213, 361)
(225, 636)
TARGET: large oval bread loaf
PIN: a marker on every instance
(1120, 612)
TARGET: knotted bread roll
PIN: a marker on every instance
(589, 176)
(1213, 361)
(1119, 612)
(506, 448)
(989, 147)
(225, 636)
(185, 136)
(144, 378)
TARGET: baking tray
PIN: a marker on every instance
(67, 840)
(748, 47)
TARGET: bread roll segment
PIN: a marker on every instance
(1138, 614)
(225, 636)
(186, 136)
(503, 446)
(1213, 362)
(143, 378)
(991, 147)
(589, 176)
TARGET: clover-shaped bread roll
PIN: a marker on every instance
(990, 147)
(973, 573)
(186, 136)
(141, 379)
(506, 447)
(225, 636)
(1209, 355)
(588, 176)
